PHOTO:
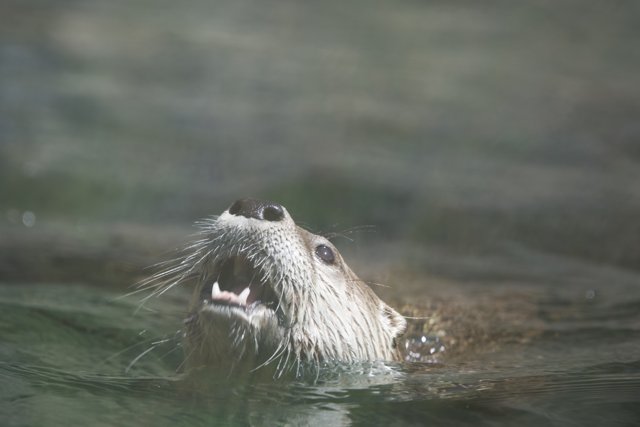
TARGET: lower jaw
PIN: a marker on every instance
(228, 338)
(254, 316)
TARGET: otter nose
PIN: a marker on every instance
(258, 209)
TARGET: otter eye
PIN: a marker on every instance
(325, 253)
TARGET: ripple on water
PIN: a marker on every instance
(64, 362)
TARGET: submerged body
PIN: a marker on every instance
(271, 295)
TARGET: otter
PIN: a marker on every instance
(271, 294)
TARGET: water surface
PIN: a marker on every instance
(77, 354)
(480, 153)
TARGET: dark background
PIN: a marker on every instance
(470, 135)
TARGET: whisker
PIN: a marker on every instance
(349, 231)
(140, 356)
(378, 284)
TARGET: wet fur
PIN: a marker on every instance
(326, 313)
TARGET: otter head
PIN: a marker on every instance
(271, 293)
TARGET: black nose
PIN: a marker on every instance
(258, 209)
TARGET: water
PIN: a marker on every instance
(483, 155)
(76, 354)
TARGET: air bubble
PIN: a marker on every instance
(28, 219)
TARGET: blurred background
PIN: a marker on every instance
(491, 141)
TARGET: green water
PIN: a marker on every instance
(78, 355)
(471, 150)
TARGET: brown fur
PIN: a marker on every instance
(324, 312)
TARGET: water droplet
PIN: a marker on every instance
(28, 219)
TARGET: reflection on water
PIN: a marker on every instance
(75, 354)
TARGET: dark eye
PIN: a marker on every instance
(325, 253)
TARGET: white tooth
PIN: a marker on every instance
(215, 290)
(244, 294)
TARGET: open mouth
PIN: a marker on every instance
(238, 283)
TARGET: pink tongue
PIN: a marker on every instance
(228, 296)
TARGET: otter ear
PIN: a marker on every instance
(394, 319)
